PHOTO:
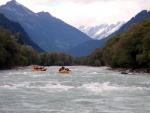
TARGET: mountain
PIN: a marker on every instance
(86, 48)
(50, 33)
(89, 46)
(144, 14)
(101, 31)
(15, 27)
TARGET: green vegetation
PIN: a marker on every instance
(60, 59)
(17, 29)
(94, 59)
(130, 49)
(12, 53)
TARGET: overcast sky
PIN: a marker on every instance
(87, 12)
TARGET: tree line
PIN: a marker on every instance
(13, 53)
(127, 50)
(130, 49)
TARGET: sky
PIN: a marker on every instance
(87, 12)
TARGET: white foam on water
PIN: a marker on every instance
(97, 87)
(106, 86)
(36, 85)
(94, 87)
(56, 86)
(37, 75)
(17, 73)
(93, 73)
(24, 73)
(8, 86)
(133, 88)
(85, 100)
(13, 86)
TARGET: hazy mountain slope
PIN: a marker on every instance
(50, 33)
(15, 27)
(101, 43)
(86, 48)
(140, 16)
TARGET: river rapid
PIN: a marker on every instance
(83, 90)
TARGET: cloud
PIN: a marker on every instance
(93, 1)
(92, 12)
(42, 1)
(88, 12)
(144, 4)
(83, 1)
(64, 1)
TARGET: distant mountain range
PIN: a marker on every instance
(86, 48)
(49, 33)
(100, 31)
(54, 35)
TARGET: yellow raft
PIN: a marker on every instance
(43, 69)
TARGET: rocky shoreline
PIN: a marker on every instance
(131, 70)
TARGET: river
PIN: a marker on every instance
(83, 90)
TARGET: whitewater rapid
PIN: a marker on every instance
(83, 90)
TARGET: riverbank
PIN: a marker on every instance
(126, 70)
(131, 70)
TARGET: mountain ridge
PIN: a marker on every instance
(48, 32)
(144, 14)
(100, 31)
(15, 27)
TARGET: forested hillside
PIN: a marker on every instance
(130, 49)
(15, 27)
(12, 53)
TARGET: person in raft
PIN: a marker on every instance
(63, 68)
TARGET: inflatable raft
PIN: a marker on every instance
(64, 71)
(39, 69)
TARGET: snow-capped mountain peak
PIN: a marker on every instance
(101, 31)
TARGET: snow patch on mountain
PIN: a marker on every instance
(101, 31)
